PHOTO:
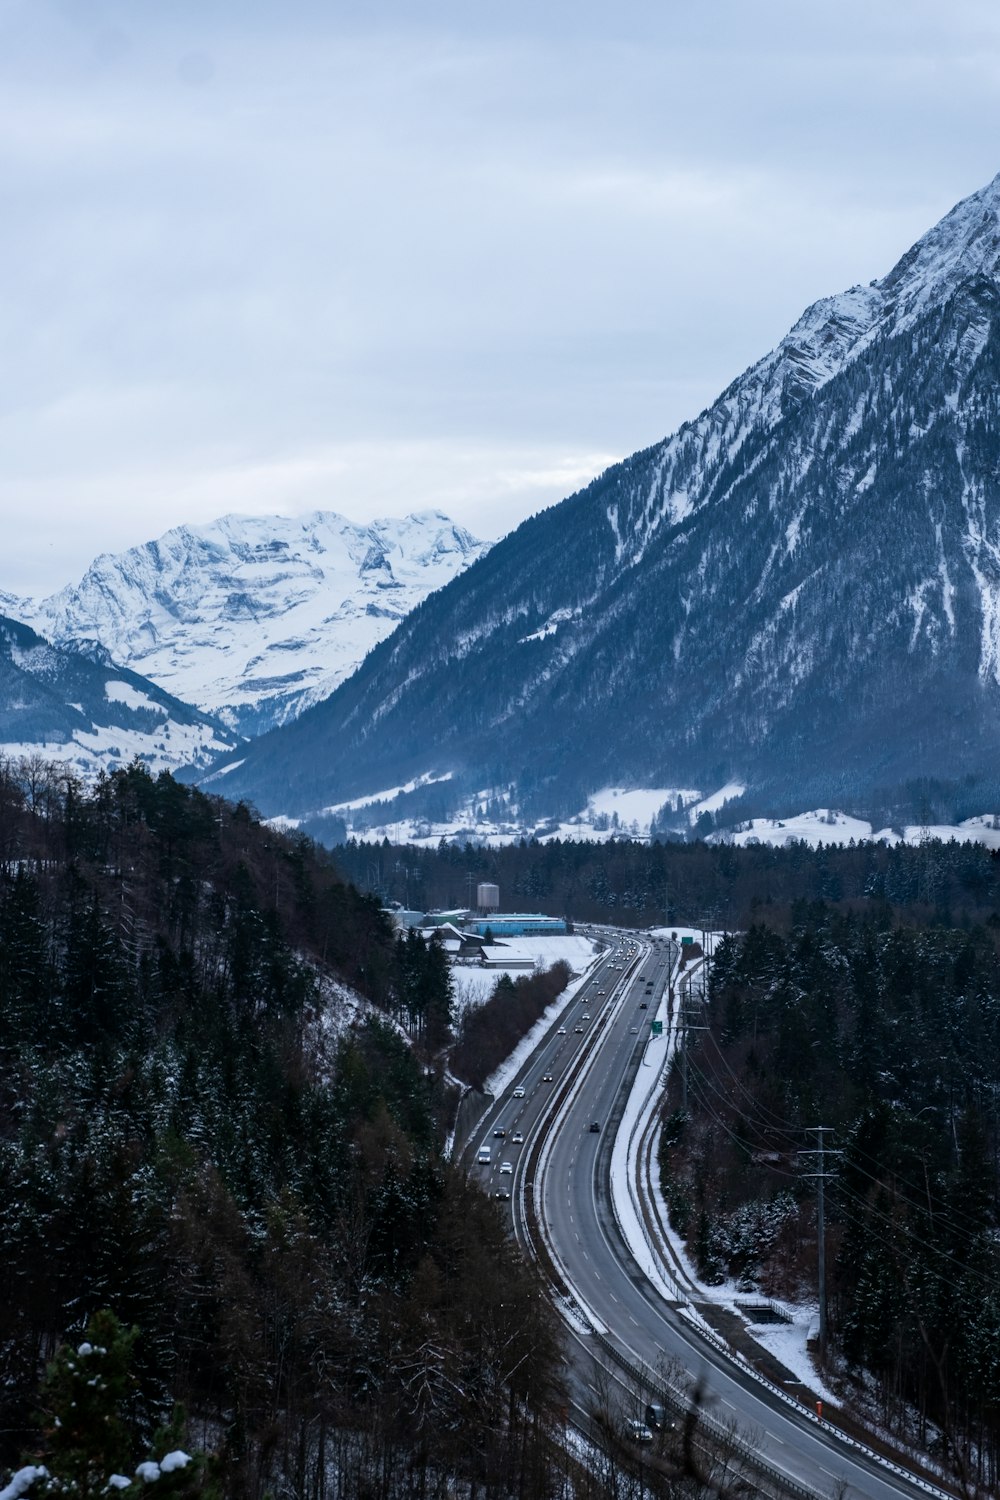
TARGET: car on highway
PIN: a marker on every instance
(546, 1077)
(502, 1193)
(637, 1432)
(517, 1139)
(643, 1005)
(561, 1031)
(595, 1127)
(634, 1030)
(577, 1028)
(500, 1132)
(585, 1016)
(518, 1092)
(656, 1416)
(505, 1169)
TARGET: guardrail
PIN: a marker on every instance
(680, 1402)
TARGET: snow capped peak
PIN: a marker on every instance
(256, 617)
(964, 244)
(691, 465)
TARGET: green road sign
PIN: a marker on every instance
(657, 1027)
(685, 941)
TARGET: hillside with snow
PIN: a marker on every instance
(798, 591)
(63, 706)
(253, 618)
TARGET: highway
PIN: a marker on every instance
(566, 1182)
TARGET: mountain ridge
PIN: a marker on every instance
(62, 705)
(800, 587)
(253, 618)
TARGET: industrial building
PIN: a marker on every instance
(517, 924)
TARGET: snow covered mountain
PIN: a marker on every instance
(64, 706)
(799, 590)
(255, 618)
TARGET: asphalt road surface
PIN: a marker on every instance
(572, 1193)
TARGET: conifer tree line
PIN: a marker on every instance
(888, 1034)
(631, 883)
(196, 1145)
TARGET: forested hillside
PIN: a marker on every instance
(189, 1139)
(887, 1035)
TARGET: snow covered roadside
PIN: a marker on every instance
(509, 1069)
(787, 1341)
(474, 984)
(642, 1102)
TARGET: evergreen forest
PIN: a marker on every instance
(630, 883)
(216, 1150)
(867, 1050)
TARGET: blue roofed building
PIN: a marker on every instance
(517, 924)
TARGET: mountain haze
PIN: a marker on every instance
(800, 588)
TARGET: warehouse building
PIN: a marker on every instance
(517, 924)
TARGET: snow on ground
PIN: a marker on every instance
(474, 984)
(510, 1067)
(709, 939)
(984, 829)
(635, 805)
(822, 826)
(387, 795)
(714, 802)
(826, 826)
(107, 747)
(786, 1341)
(124, 692)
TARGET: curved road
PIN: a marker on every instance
(572, 1196)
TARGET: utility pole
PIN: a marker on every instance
(820, 1175)
(684, 1025)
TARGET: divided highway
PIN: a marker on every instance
(576, 1078)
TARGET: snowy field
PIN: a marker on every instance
(473, 984)
(825, 826)
(629, 812)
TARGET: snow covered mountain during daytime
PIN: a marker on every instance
(64, 706)
(253, 618)
(798, 591)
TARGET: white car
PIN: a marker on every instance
(505, 1168)
(561, 1031)
(518, 1093)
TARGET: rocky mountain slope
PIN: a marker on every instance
(799, 589)
(254, 618)
(64, 706)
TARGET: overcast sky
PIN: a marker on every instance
(376, 257)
